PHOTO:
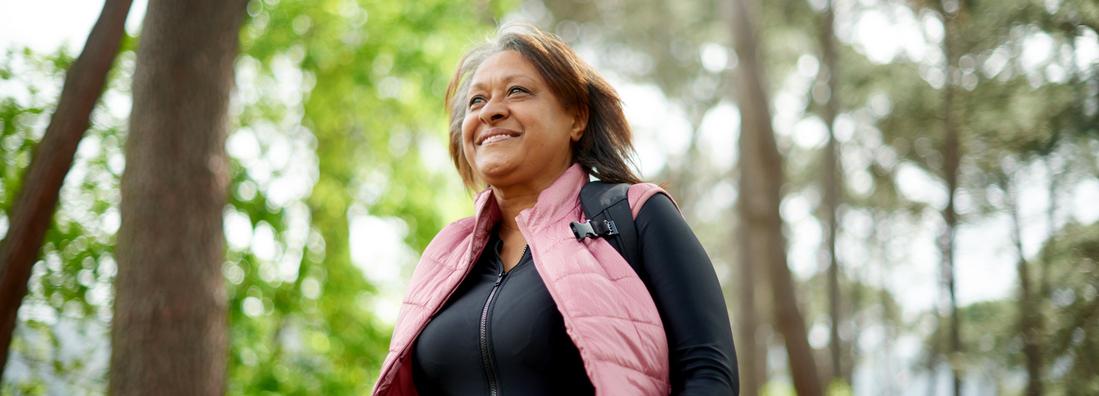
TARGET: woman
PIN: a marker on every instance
(509, 301)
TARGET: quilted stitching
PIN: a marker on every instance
(621, 341)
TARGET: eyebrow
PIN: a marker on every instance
(506, 79)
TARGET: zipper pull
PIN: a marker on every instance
(499, 277)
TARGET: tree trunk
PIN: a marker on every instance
(33, 210)
(169, 332)
(750, 348)
(951, 160)
(761, 180)
(1051, 223)
(881, 234)
(1030, 319)
(751, 342)
(831, 187)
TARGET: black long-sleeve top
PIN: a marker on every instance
(500, 333)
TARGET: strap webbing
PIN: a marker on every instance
(605, 201)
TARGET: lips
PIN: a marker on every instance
(493, 135)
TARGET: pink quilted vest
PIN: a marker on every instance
(607, 310)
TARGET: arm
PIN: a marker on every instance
(685, 288)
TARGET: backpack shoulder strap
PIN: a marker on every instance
(619, 203)
(641, 192)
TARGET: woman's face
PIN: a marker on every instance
(515, 130)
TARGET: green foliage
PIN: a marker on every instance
(1072, 257)
(366, 111)
(339, 116)
(373, 75)
(60, 340)
(839, 388)
(1009, 115)
(778, 388)
(1069, 310)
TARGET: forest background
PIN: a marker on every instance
(900, 197)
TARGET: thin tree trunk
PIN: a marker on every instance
(934, 354)
(749, 348)
(831, 183)
(881, 234)
(169, 333)
(33, 210)
(751, 340)
(761, 181)
(1030, 320)
(1051, 226)
(951, 160)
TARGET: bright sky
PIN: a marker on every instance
(46, 25)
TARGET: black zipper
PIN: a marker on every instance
(486, 352)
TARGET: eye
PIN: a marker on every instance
(476, 100)
(517, 89)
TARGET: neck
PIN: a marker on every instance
(512, 199)
(510, 204)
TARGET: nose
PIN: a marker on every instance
(493, 111)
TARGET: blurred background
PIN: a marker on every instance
(928, 167)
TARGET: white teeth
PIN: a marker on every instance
(495, 138)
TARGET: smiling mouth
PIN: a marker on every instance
(496, 135)
(497, 138)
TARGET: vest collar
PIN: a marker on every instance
(558, 200)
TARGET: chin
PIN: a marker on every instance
(495, 172)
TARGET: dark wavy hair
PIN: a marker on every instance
(606, 148)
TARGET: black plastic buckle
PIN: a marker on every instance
(588, 229)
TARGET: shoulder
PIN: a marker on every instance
(641, 194)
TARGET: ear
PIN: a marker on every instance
(579, 124)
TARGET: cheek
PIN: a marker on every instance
(468, 126)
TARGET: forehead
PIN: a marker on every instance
(503, 67)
